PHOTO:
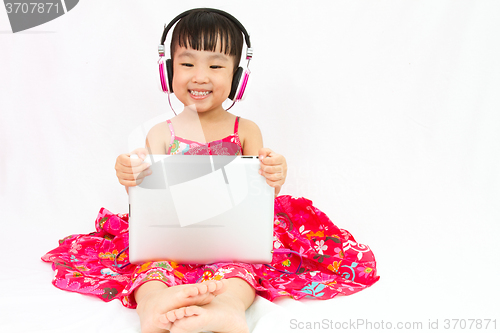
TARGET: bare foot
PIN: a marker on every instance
(154, 305)
(225, 314)
(186, 311)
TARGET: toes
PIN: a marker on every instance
(195, 319)
(173, 315)
(203, 288)
(221, 287)
(191, 291)
(165, 321)
(176, 314)
(193, 311)
(179, 313)
(211, 286)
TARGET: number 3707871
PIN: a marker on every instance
(478, 324)
(32, 7)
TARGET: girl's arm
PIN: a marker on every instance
(252, 142)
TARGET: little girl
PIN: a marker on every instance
(312, 256)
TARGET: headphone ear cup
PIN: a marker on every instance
(235, 83)
(170, 74)
(243, 86)
(163, 75)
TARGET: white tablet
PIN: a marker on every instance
(201, 209)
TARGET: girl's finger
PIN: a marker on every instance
(139, 169)
(273, 178)
(273, 169)
(134, 170)
(132, 183)
(133, 176)
(135, 162)
(128, 183)
(270, 161)
(273, 175)
(274, 184)
(143, 174)
(122, 168)
(125, 176)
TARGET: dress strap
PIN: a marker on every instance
(172, 136)
(236, 124)
(171, 130)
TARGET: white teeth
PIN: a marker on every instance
(199, 93)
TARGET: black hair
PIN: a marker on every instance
(202, 29)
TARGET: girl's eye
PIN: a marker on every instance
(215, 66)
(187, 65)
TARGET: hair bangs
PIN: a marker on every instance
(206, 40)
(203, 30)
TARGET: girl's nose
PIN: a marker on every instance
(200, 76)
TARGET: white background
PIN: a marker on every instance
(386, 111)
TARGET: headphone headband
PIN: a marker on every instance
(223, 13)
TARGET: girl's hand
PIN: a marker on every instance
(130, 171)
(273, 167)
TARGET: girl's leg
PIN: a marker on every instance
(225, 313)
(154, 299)
(241, 290)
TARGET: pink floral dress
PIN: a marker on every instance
(312, 256)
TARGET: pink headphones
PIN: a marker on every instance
(240, 78)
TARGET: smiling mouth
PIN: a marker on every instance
(197, 93)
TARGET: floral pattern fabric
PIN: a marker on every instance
(230, 145)
(333, 263)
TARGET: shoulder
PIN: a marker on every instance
(160, 130)
(158, 138)
(247, 126)
(251, 136)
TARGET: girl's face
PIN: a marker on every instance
(202, 78)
